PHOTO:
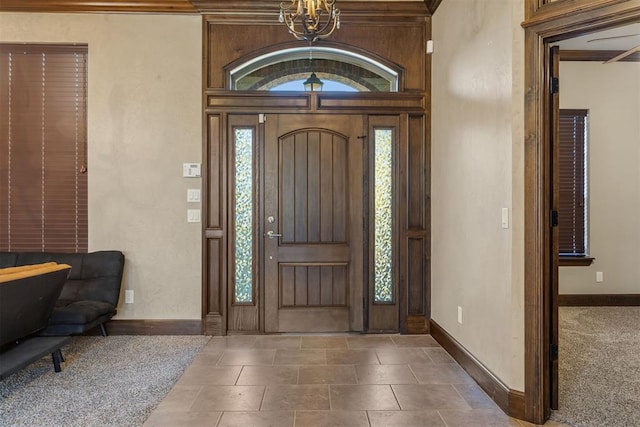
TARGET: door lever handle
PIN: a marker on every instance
(272, 235)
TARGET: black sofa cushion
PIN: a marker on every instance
(26, 303)
(89, 296)
(79, 312)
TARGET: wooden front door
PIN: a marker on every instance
(313, 223)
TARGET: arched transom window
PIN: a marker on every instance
(339, 69)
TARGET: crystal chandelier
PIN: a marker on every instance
(310, 19)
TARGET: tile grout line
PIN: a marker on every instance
(239, 374)
(219, 419)
(368, 419)
(395, 397)
(442, 418)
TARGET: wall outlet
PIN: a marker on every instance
(599, 276)
(128, 297)
(460, 315)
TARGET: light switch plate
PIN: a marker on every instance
(193, 215)
(505, 217)
(193, 195)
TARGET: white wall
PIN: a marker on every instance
(144, 121)
(477, 169)
(611, 93)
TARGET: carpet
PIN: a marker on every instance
(599, 367)
(112, 381)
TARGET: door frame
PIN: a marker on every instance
(545, 24)
(413, 198)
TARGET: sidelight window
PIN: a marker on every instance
(243, 218)
(383, 216)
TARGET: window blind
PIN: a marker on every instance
(43, 183)
(572, 213)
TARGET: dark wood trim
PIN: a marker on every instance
(599, 300)
(128, 6)
(432, 5)
(512, 402)
(575, 261)
(315, 102)
(561, 9)
(155, 327)
(596, 55)
(534, 219)
(351, 12)
(546, 24)
(263, 10)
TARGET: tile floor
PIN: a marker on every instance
(335, 380)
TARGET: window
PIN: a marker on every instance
(243, 217)
(383, 215)
(43, 186)
(356, 71)
(572, 214)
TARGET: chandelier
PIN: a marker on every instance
(310, 19)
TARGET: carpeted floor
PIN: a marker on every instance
(113, 381)
(599, 367)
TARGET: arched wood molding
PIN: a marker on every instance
(546, 23)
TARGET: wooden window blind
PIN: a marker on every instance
(43, 139)
(572, 214)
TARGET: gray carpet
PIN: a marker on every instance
(113, 381)
(599, 367)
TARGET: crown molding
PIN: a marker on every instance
(432, 5)
(352, 10)
(88, 6)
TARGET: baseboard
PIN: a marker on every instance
(510, 401)
(595, 300)
(154, 327)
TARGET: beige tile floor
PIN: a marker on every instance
(338, 380)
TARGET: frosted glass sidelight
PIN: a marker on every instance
(383, 218)
(243, 144)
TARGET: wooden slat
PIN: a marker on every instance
(326, 283)
(301, 286)
(326, 190)
(300, 188)
(287, 286)
(313, 282)
(340, 189)
(313, 187)
(287, 182)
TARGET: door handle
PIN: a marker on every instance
(272, 235)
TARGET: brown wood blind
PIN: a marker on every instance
(43, 183)
(572, 182)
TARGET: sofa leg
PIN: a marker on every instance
(103, 330)
(57, 358)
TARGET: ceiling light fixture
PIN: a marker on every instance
(310, 19)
